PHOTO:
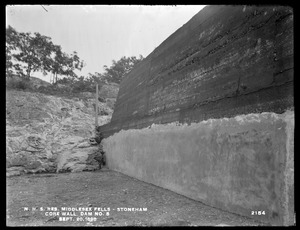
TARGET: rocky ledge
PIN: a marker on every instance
(51, 134)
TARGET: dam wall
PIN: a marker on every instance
(209, 113)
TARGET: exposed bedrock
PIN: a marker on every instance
(46, 134)
(242, 164)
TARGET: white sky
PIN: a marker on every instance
(101, 33)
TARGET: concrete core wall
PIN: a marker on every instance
(241, 164)
(226, 78)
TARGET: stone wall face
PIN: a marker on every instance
(226, 79)
(227, 60)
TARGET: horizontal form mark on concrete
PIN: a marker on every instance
(274, 99)
(239, 164)
(240, 52)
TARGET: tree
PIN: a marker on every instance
(120, 68)
(57, 62)
(33, 54)
(37, 53)
(10, 47)
(73, 63)
(9, 64)
(64, 64)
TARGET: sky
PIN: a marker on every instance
(101, 33)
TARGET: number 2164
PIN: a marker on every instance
(259, 213)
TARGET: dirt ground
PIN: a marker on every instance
(105, 194)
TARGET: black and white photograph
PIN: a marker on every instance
(149, 115)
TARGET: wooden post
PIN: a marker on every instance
(96, 107)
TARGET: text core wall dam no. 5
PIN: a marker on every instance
(210, 113)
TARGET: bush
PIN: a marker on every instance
(19, 84)
(101, 99)
(43, 89)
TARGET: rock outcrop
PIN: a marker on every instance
(50, 134)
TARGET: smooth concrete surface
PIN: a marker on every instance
(243, 164)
